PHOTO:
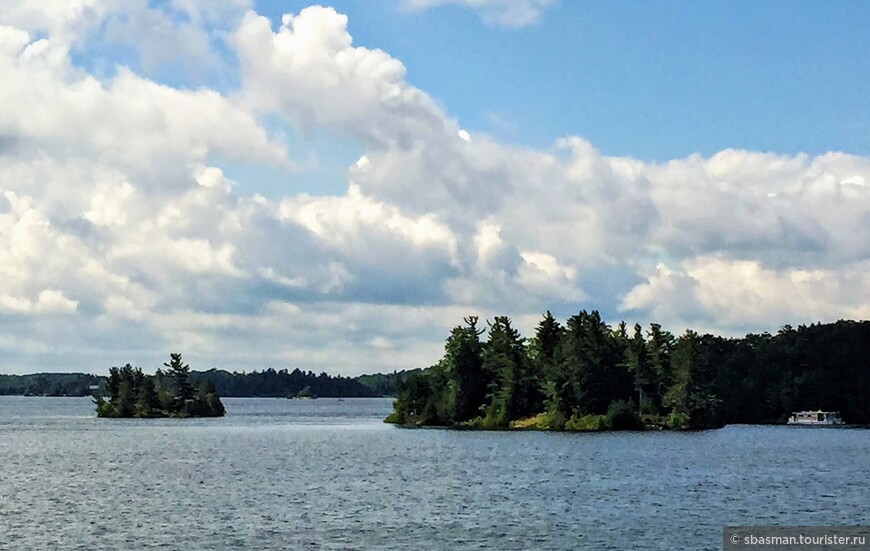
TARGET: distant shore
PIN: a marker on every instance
(269, 383)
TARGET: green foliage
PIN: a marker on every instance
(395, 418)
(132, 393)
(584, 372)
(691, 394)
(104, 408)
(180, 372)
(659, 347)
(593, 372)
(419, 398)
(653, 421)
(678, 421)
(541, 421)
(479, 423)
(514, 389)
(282, 383)
(306, 393)
(544, 351)
(587, 423)
(622, 415)
(385, 384)
(463, 363)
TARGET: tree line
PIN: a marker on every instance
(169, 393)
(587, 375)
(270, 383)
(49, 384)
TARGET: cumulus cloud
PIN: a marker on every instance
(129, 122)
(49, 300)
(509, 13)
(310, 72)
(68, 22)
(181, 31)
(727, 293)
(127, 228)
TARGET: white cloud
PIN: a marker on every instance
(109, 205)
(739, 294)
(128, 228)
(509, 13)
(48, 301)
(310, 72)
(66, 21)
(215, 12)
(130, 122)
(52, 300)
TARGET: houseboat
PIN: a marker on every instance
(815, 418)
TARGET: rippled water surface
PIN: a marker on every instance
(328, 474)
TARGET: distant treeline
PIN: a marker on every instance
(282, 383)
(266, 383)
(385, 384)
(49, 384)
(586, 375)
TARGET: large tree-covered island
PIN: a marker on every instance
(586, 375)
(169, 393)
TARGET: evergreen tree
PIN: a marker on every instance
(128, 387)
(690, 396)
(638, 364)
(463, 363)
(135, 394)
(513, 389)
(659, 347)
(113, 383)
(544, 350)
(592, 363)
(591, 375)
(179, 371)
(214, 406)
(415, 399)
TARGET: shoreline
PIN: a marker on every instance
(406, 426)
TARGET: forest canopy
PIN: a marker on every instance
(587, 375)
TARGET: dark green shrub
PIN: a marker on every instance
(622, 415)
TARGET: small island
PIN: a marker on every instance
(588, 376)
(169, 393)
(304, 394)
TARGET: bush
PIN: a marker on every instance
(541, 421)
(677, 420)
(477, 423)
(587, 423)
(654, 422)
(395, 418)
(621, 415)
(104, 408)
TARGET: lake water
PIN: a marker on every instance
(328, 474)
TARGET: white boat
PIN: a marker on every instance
(815, 418)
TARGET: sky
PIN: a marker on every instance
(277, 184)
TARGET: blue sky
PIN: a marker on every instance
(652, 80)
(197, 176)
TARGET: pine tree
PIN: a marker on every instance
(179, 371)
(638, 363)
(463, 364)
(659, 347)
(514, 391)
